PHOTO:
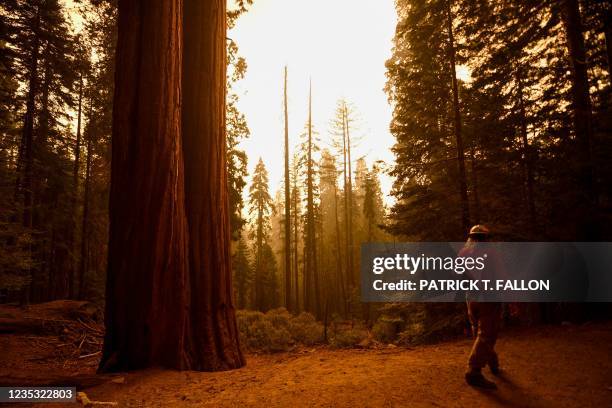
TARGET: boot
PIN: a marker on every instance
(495, 370)
(476, 379)
(494, 364)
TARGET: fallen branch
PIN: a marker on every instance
(86, 402)
(90, 355)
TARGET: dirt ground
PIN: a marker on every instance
(562, 366)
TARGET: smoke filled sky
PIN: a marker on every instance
(342, 45)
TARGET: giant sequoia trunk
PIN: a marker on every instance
(214, 329)
(147, 290)
(168, 298)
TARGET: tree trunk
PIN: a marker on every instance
(148, 287)
(75, 185)
(475, 186)
(84, 258)
(582, 116)
(53, 251)
(465, 207)
(341, 285)
(527, 159)
(60, 264)
(287, 207)
(258, 283)
(311, 269)
(28, 129)
(296, 277)
(24, 184)
(607, 24)
(349, 192)
(347, 217)
(214, 329)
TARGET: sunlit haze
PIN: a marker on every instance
(342, 45)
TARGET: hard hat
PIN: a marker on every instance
(478, 230)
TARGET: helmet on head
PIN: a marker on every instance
(479, 230)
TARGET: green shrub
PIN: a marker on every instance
(264, 336)
(443, 322)
(411, 333)
(277, 330)
(279, 318)
(247, 317)
(348, 337)
(305, 329)
(386, 329)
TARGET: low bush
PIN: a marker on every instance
(400, 324)
(277, 330)
(386, 329)
(348, 337)
(305, 329)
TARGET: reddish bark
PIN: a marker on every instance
(147, 300)
(214, 331)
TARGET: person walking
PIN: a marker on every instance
(484, 318)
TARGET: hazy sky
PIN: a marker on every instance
(342, 45)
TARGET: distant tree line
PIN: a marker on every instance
(310, 261)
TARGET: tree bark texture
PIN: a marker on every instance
(214, 329)
(147, 291)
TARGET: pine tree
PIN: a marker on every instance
(260, 209)
(269, 279)
(243, 278)
(373, 207)
(296, 211)
(100, 36)
(308, 150)
(425, 123)
(452, 61)
(331, 237)
(582, 116)
(536, 167)
(41, 57)
(236, 130)
(342, 124)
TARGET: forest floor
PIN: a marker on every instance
(551, 366)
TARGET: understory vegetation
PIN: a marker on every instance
(397, 324)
